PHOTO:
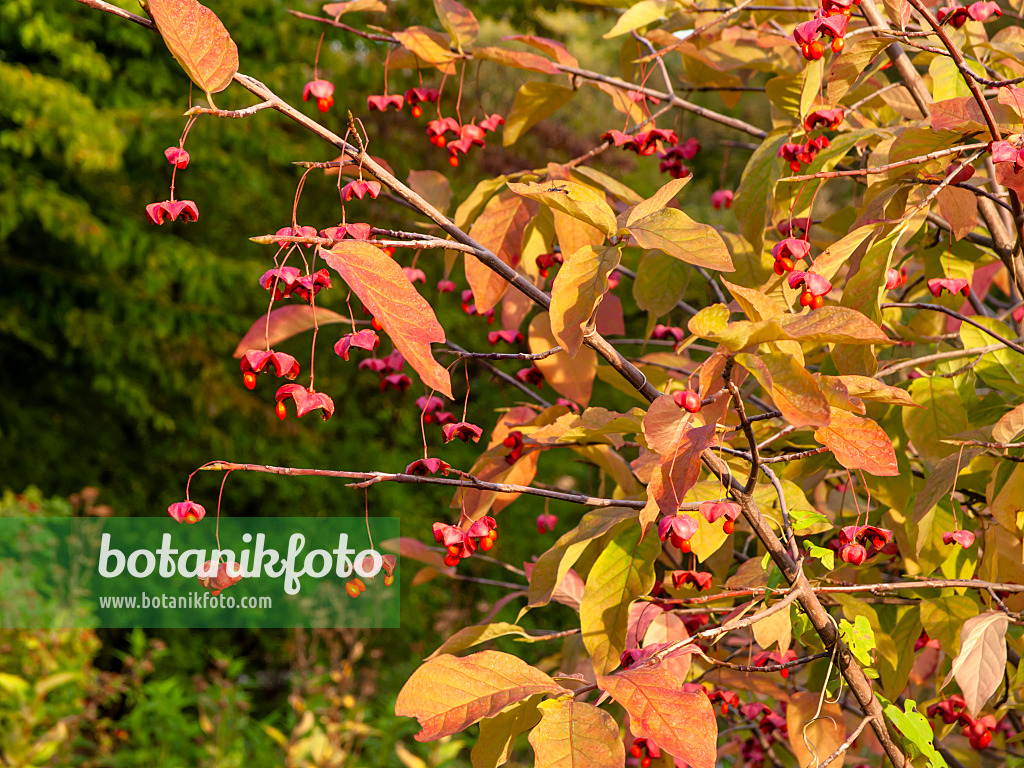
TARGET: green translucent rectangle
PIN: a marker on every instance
(139, 572)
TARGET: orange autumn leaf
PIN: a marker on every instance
(386, 292)
(198, 40)
(447, 694)
(682, 724)
(858, 443)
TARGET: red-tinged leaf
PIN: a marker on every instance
(458, 21)
(499, 228)
(610, 319)
(571, 378)
(823, 735)
(675, 233)
(386, 292)
(285, 322)
(351, 6)
(898, 12)
(1008, 175)
(682, 724)
(552, 48)
(581, 282)
(573, 734)
(414, 549)
(791, 386)
(981, 663)
(569, 590)
(428, 46)
(518, 59)
(432, 186)
(572, 198)
(960, 208)
(859, 443)
(198, 40)
(879, 392)
(668, 627)
(622, 572)
(679, 468)
(551, 568)
(1009, 425)
(448, 694)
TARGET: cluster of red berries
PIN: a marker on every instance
(787, 252)
(774, 657)
(954, 710)
(677, 529)
(430, 407)
(956, 16)
(413, 97)
(895, 278)
(460, 544)
(514, 442)
(713, 510)
(852, 540)
(829, 23)
(321, 91)
(645, 750)
(688, 400)
(954, 285)
(469, 307)
(673, 157)
(172, 209)
(256, 361)
(798, 155)
(644, 143)
(468, 134)
(546, 261)
(700, 579)
(813, 288)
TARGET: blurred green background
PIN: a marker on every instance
(117, 378)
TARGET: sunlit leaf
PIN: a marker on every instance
(573, 734)
(447, 694)
(386, 292)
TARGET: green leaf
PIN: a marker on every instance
(622, 572)
(675, 233)
(754, 197)
(535, 101)
(498, 734)
(915, 730)
(829, 324)
(642, 14)
(859, 639)
(467, 637)
(824, 554)
(943, 414)
(1002, 369)
(660, 282)
(943, 617)
(552, 566)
